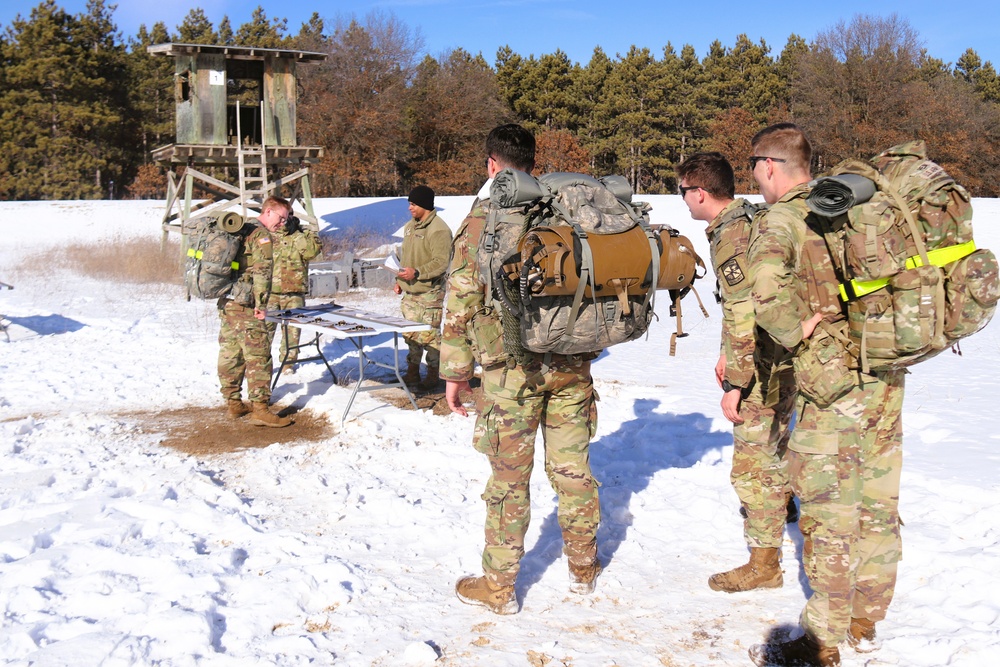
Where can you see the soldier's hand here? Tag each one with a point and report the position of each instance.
(731, 406)
(453, 395)
(720, 369)
(809, 326)
(408, 273)
(396, 288)
(259, 313)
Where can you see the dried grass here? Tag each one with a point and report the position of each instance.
(118, 259)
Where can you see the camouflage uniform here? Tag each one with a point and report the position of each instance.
(516, 401)
(290, 278)
(844, 459)
(245, 341)
(763, 369)
(426, 248)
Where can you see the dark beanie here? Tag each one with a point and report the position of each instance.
(423, 197)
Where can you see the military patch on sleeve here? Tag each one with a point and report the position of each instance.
(264, 240)
(732, 272)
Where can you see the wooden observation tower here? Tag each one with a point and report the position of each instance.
(235, 109)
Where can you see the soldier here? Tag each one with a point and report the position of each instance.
(244, 336)
(426, 251)
(294, 246)
(754, 373)
(516, 399)
(845, 453)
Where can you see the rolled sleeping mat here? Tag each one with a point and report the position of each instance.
(835, 195)
(512, 188)
(231, 222)
(621, 261)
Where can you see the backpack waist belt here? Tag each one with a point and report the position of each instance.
(855, 289)
(198, 254)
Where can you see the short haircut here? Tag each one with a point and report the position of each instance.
(786, 141)
(512, 146)
(274, 202)
(711, 172)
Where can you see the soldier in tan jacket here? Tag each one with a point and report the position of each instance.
(424, 264)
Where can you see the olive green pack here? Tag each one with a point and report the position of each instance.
(211, 267)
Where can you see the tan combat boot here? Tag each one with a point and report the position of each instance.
(583, 580)
(412, 375)
(236, 408)
(762, 571)
(861, 635)
(484, 593)
(261, 415)
(801, 652)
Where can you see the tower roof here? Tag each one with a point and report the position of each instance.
(234, 52)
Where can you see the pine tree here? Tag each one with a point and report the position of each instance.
(587, 92)
(62, 108)
(311, 35)
(151, 90)
(225, 35)
(632, 114)
(543, 100)
(982, 76)
(196, 29)
(259, 31)
(684, 115)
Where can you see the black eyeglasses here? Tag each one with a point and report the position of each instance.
(754, 159)
(684, 189)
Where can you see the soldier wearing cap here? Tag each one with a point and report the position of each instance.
(424, 263)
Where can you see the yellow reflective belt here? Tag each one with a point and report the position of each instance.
(939, 257)
(197, 254)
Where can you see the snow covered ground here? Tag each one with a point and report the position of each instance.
(116, 550)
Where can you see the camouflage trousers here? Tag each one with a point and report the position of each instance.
(759, 473)
(290, 336)
(844, 464)
(244, 351)
(424, 308)
(515, 403)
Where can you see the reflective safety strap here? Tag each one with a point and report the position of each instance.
(198, 254)
(856, 289)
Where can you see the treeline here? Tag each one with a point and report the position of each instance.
(81, 108)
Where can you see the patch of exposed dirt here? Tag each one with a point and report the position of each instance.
(201, 431)
(432, 400)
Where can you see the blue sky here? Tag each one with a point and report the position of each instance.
(577, 26)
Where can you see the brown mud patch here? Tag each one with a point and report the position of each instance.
(427, 400)
(201, 431)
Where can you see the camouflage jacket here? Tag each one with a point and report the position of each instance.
(256, 262)
(292, 252)
(465, 298)
(426, 248)
(790, 270)
(728, 235)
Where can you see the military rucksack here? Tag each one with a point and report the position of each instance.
(572, 264)
(913, 281)
(212, 267)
